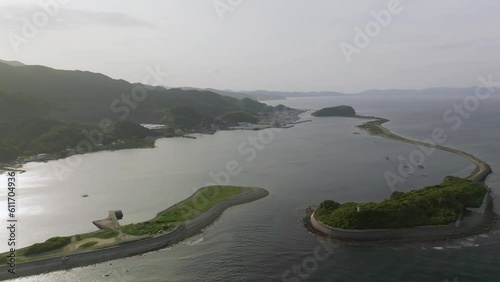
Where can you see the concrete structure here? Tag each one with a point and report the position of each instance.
(185, 230)
(111, 222)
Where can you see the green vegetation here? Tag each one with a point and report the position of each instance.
(87, 98)
(38, 136)
(282, 107)
(434, 205)
(47, 246)
(339, 111)
(102, 234)
(374, 127)
(203, 200)
(43, 110)
(254, 107)
(87, 245)
(232, 118)
(170, 219)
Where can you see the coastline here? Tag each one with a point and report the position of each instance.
(479, 222)
(479, 174)
(286, 118)
(474, 224)
(184, 231)
(4, 168)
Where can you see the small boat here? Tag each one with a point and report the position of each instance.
(85, 196)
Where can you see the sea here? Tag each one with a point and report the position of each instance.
(325, 158)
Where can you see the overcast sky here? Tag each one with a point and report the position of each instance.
(288, 45)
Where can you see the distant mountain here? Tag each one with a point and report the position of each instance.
(85, 97)
(12, 63)
(229, 93)
(44, 110)
(264, 95)
(426, 91)
(276, 95)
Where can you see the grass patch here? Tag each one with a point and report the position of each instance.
(434, 205)
(373, 127)
(87, 245)
(201, 201)
(102, 234)
(47, 246)
(105, 234)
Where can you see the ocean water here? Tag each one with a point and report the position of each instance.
(300, 166)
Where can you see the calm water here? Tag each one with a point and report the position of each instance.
(300, 166)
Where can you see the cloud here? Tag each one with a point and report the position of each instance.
(11, 16)
(82, 17)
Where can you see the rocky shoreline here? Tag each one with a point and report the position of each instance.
(478, 223)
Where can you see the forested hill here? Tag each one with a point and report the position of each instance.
(44, 110)
(85, 97)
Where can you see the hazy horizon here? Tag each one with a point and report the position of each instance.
(250, 45)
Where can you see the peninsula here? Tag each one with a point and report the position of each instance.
(74, 112)
(170, 226)
(454, 208)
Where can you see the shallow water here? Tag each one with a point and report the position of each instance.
(300, 166)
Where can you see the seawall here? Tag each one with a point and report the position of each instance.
(473, 224)
(185, 230)
(479, 221)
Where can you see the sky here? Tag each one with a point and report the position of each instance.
(278, 45)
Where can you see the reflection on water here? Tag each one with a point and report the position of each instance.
(260, 241)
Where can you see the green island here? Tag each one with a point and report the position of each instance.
(169, 221)
(441, 204)
(434, 205)
(338, 111)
